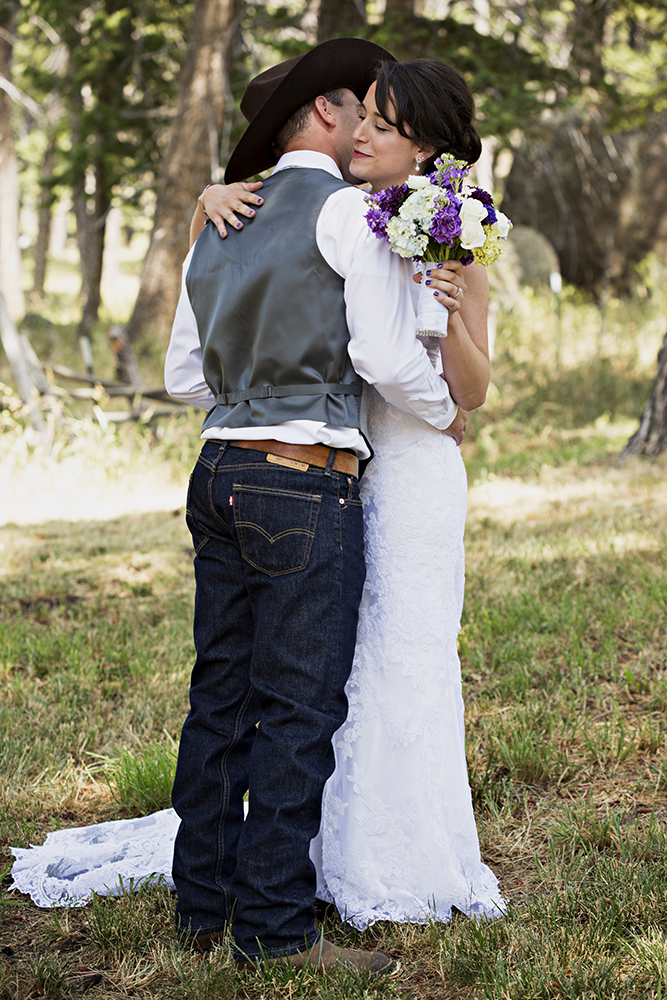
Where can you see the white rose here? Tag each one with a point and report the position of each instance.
(472, 230)
(415, 181)
(472, 235)
(472, 210)
(503, 223)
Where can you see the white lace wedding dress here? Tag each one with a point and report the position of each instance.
(398, 836)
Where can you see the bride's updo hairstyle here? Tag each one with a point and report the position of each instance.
(431, 103)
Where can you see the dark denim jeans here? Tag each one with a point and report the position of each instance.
(279, 569)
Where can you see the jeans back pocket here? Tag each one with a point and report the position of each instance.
(275, 528)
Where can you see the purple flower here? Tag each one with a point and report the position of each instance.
(390, 199)
(384, 206)
(466, 259)
(377, 222)
(446, 225)
(481, 195)
(491, 216)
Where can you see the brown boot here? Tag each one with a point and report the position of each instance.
(324, 956)
(203, 942)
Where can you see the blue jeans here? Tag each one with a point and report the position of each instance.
(279, 569)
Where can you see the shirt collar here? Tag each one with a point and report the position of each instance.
(308, 158)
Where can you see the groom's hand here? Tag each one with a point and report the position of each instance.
(457, 428)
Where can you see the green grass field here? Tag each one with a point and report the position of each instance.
(564, 656)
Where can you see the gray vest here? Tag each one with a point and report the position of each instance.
(271, 314)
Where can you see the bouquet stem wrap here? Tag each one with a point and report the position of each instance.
(432, 317)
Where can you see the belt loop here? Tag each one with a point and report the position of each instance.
(330, 461)
(223, 448)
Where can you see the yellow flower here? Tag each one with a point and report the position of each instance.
(492, 249)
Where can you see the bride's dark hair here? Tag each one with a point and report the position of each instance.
(431, 103)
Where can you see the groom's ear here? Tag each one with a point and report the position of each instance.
(322, 110)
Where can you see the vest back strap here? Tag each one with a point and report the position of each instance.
(278, 391)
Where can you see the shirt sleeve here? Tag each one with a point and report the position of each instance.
(183, 374)
(383, 347)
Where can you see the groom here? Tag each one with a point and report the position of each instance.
(275, 330)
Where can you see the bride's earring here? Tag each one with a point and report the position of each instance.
(418, 165)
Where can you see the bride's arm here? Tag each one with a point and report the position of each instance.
(220, 202)
(465, 349)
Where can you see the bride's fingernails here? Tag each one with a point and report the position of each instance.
(427, 273)
(436, 293)
(428, 282)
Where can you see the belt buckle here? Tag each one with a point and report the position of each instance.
(288, 463)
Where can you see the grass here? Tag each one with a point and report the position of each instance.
(564, 658)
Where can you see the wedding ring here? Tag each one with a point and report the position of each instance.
(459, 293)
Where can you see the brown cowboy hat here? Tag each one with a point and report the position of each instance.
(273, 96)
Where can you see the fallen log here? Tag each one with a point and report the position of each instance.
(110, 388)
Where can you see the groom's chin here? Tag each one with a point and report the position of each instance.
(350, 177)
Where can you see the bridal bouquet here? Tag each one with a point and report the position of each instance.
(435, 218)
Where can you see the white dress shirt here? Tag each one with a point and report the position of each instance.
(380, 316)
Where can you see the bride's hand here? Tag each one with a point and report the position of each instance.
(220, 202)
(448, 281)
(457, 428)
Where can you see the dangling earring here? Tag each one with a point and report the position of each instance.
(418, 164)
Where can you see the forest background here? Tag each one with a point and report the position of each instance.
(113, 117)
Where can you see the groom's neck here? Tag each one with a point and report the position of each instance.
(314, 144)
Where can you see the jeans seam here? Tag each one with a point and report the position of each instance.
(201, 545)
(209, 493)
(225, 786)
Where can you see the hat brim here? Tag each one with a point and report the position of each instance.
(339, 63)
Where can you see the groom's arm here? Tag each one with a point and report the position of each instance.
(380, 315)
(183, 374)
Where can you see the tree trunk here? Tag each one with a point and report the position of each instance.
(102, 203)
(45, 211)
(587, 28)
(186, 167)
(43, 223)
(340, 18)
(127, 369)
(10, 255)
(651, 436)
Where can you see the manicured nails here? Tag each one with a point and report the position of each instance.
(239, 225)
(436, 294)
(428, 282)
(427, 273)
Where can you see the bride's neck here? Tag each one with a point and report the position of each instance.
(389, 182)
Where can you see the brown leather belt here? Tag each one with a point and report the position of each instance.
(300, 456)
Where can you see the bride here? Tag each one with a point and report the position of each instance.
(398, 838)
